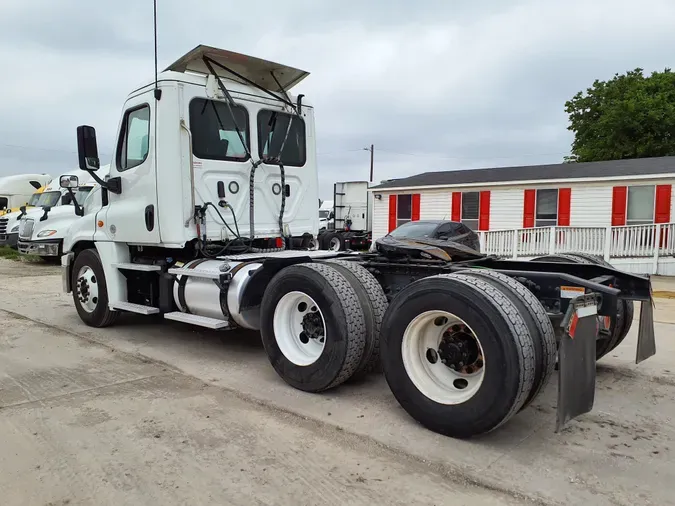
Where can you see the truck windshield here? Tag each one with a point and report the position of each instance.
(414, 229)
(4, 202)
(272, 128)
(324, 214)
(49, 199)
(32, 202)
(81, 194)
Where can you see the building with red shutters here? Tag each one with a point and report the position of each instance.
(619, 209)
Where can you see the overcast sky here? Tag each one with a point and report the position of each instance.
(434, 84)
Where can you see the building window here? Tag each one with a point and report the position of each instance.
(403, 209)
(470, 209)
(214, 130)
(547, 208)
(640, 208)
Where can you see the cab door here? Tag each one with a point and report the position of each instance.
(131, 216)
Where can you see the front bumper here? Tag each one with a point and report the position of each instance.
(10, 240)
(48, 248)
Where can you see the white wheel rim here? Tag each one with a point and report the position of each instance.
(299, 328)
(438, 381)
(334, 244)
(87, 289)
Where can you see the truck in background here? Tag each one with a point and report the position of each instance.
(16, 191)
(326, 214)
(9, 222)
(41, 231)
(349, 225)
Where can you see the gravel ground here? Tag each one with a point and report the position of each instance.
(151, 412)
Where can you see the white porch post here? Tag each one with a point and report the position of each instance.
(514, 245)
(655, 258)
(551, 240)
(608, 244)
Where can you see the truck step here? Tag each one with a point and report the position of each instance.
(198, 273)
(138, 267)
(202, 321)
(133, 308)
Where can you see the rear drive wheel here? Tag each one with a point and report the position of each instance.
(313, 326)
(538, 322)
(610, 327)
(457, 354)
(334, 242)
(90, 292)
(374, 304)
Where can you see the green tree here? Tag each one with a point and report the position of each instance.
(629, 116)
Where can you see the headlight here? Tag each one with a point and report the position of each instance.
(14, 229)
(46, 233)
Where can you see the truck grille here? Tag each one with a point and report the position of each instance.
(26, 228)
(3, 225)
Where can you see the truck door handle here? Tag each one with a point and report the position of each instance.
(150, 217)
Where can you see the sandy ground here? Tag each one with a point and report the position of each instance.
(152, 412)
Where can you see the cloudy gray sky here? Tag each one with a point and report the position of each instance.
(434, 84)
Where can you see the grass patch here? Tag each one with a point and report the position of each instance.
(663, 294)
(12, 254)
(9, 253)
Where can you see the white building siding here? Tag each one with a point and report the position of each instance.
(435, 205)
(380, 216)
(506, 209)
(591, 206)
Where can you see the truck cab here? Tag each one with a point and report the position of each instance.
(16, 191)
(41, 230)
(9, 222)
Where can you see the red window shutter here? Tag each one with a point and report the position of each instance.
(564, 205)
(529, 205)
(662, 207)
(619, 202)
(456, 206)
(484, 211)
(415, 216)
(392, 212)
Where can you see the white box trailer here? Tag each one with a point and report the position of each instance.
(350, 226)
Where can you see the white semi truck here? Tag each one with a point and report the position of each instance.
(16, 190)
(210, 217)
(350, 220)
(41, 230)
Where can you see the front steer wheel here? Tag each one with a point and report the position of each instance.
(313, 326)
(90, 292)
(457, 354)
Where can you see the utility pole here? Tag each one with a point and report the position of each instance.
(372, 152)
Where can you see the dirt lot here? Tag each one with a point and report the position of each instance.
(150, 412)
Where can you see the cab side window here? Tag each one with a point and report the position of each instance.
(133, 145)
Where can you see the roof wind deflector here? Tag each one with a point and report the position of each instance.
(263, 74)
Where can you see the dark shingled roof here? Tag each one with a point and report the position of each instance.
(612, 168)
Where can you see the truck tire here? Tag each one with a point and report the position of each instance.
(312, 326)
(374, 304)
(436, 323)
(538, 322)
(628, 306)
(334, 242)
(90, 292)
(603, 345)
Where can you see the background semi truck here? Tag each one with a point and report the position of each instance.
(209, 217)
(9, 222)
(41, 230)
(349, 225)
(16, 191)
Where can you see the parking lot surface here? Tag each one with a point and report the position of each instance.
(153, 412)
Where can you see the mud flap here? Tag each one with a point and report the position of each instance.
(646, 345)
(576, 359)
